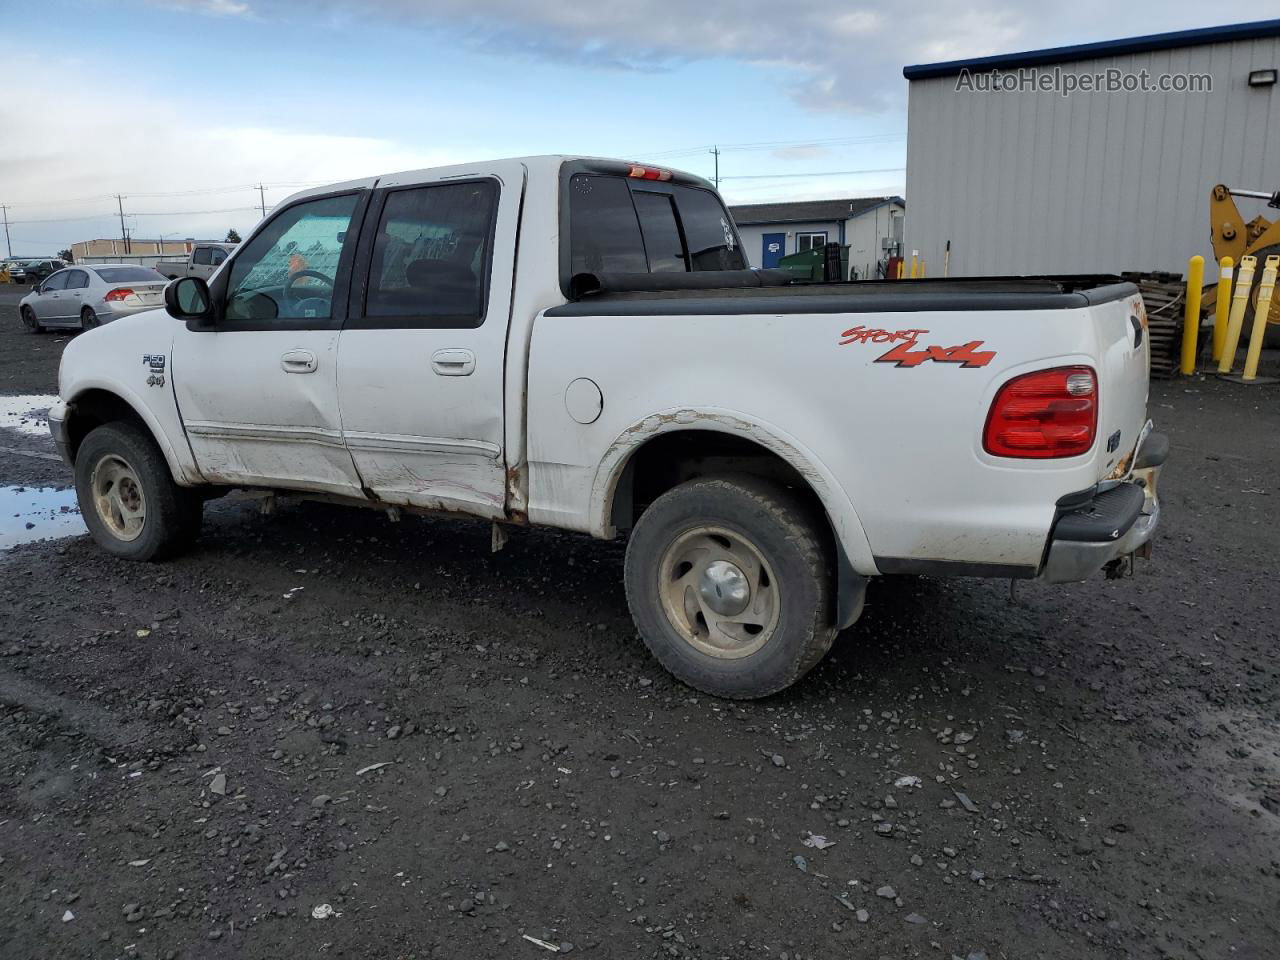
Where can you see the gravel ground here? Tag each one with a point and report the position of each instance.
(322, 733)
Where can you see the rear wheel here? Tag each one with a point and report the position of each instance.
(29, 321)
(128, 498)
(89, 319)
(729, 583)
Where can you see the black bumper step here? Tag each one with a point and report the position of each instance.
(1108, 516)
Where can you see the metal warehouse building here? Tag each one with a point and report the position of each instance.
(1027, 181)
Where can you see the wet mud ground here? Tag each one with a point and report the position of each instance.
(322, 733)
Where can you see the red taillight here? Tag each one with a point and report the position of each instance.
(119, 294)
(1050, 413)
(641, 172)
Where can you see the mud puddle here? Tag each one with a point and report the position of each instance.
(28, 514)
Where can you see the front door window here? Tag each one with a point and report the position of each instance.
(289, 269)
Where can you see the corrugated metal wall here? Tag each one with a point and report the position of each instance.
(1032, 182)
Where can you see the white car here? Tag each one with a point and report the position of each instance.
(579, 343)
(88, 295)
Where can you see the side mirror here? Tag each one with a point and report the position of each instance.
(188, 299)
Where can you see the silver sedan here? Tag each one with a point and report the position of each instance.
(90, 294)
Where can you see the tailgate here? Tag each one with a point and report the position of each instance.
(1124, 373)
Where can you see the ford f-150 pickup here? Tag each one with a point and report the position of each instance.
(580, 344)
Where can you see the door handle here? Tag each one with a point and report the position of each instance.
(453, 362)
(298, 361)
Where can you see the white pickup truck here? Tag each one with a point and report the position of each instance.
(203, 260)
(579, 344)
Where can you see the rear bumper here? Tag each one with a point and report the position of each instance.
(1113, 524)
(58, 430)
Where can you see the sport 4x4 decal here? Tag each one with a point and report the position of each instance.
(907, 352)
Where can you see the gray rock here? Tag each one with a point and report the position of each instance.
(914, 918)
(863, 916)
(218, 785)
(887, 893)
(319, 800)
(777, 760)
(393, 732)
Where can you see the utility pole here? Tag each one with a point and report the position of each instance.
(715, 152)
(124, 234)
(7, 242)
(262, 198)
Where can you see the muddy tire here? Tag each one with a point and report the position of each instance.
(729, 582)
(29, 321)
(128, 498)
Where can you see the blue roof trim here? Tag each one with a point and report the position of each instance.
(1107, 48)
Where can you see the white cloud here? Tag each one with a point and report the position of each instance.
(143, 143)
(836, 57)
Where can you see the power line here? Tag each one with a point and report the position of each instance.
(8, 242)
(826, 173)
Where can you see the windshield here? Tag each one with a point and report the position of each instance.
(129, 275)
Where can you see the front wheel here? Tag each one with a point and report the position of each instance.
(729, 583)
(29, 321)
(128, 498)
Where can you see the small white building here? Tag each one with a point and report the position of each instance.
(1096, 158)
(870, 226)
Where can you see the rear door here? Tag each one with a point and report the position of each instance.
(201, 263)
(420, 365)
(74, 295)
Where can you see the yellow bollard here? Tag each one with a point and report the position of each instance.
(1260, 318)
(1191, 319)
(915, 263)
(922, 269)
(901, 265)
(1239, 302)
(1222, 308)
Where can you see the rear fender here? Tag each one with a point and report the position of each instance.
(839, 509)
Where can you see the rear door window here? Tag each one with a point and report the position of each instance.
(431, 256)
(77, 279)
(202, 256)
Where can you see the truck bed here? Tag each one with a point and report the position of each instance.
(759, 292)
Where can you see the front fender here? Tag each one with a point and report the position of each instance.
(839, 508)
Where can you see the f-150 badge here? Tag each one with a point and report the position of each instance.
(155, 361)
(907, 351)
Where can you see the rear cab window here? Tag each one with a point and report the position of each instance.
(620, 224)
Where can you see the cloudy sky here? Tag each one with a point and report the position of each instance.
(183, 106)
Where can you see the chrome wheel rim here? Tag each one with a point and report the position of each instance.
(118, 497)
(718, 592)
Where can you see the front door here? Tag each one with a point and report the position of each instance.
(420, 367)
(258, 392)
(774, 248)
(50, 304)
